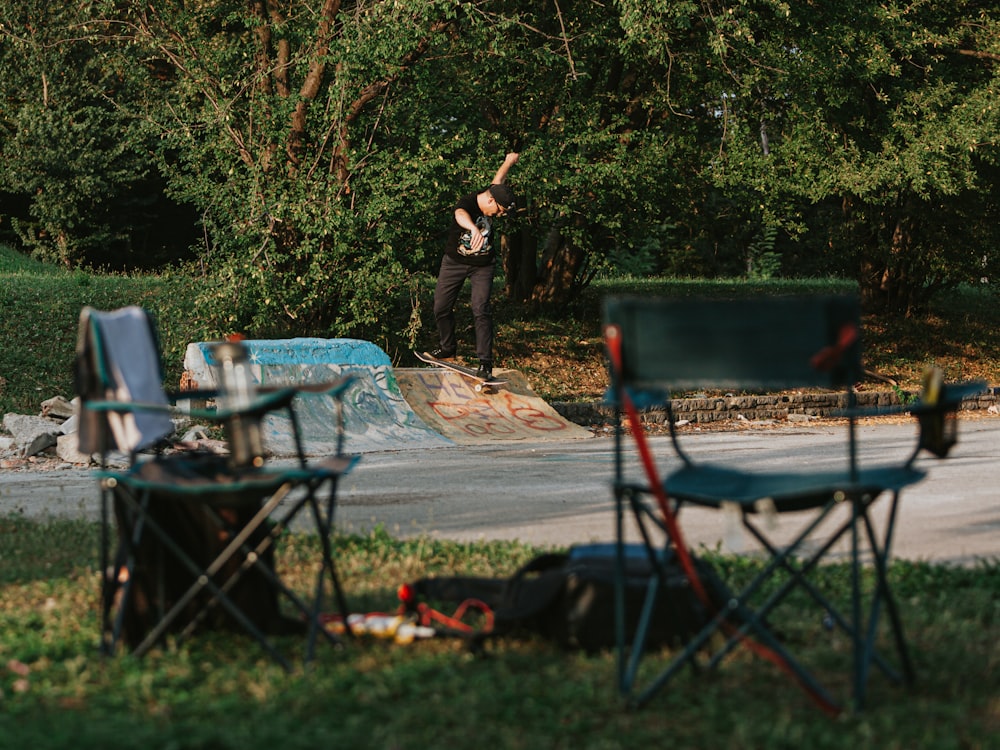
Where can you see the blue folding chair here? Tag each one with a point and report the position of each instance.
(657, 347)
(196, 532)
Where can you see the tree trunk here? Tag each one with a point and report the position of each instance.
(520, 263)
(561, 263)
(890, 285)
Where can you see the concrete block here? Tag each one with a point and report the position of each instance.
(26, 429)
(67, 449)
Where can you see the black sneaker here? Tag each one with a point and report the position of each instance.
(485, 371)
(443, 354)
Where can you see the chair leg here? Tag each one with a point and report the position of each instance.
(880, 556)
(630, 655)
(865, 647)
(107, 577)
(203, 580)
(859, 668)
(324, 527)
(751, 626)
(118, 583)
(621, 672)
(252, 558)
(862, 629)
(751, 622)
(144, 523)
(642, 629)
(883, 593)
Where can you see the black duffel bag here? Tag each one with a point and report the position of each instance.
(570, 598)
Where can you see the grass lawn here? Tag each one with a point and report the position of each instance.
(218, 691)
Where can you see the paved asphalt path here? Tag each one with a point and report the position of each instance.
(558, 493)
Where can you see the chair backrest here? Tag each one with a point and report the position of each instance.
(118, 359)
(753, 344)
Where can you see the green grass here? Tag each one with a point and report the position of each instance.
(217, 691)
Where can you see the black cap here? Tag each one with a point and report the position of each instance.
(504, 196)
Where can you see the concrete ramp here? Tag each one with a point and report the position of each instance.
(447, 402)
(376, 416)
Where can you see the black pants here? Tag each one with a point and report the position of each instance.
(451, 277)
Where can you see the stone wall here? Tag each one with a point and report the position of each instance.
(758, 407)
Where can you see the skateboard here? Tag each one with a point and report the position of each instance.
(480, 383)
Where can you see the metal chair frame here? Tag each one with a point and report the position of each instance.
(274, 495)
(658, 346)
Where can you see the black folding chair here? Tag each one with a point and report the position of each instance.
(196, 532)
(659, 346)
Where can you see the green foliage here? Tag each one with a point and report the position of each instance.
(72, 216)
(559, 351)
(39, 309)
(218, 691)
(262, 127)
(65, 144)
(645, 258)
(14, 265)
(890, 114)
(323, 147)
(763, 262)
(29, 555)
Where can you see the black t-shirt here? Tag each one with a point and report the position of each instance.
(457, 245)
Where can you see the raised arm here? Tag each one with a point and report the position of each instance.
(501, 176)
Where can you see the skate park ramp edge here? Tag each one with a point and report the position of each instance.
(376, 416)
(449, 403)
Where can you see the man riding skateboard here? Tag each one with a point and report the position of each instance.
(470, 253)
(481, 384)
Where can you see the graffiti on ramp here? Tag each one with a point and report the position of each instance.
(376, 416)
(449, 404)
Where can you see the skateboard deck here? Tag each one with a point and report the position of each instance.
(480, 383)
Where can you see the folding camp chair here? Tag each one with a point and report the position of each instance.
(196, 531)
(658, 346)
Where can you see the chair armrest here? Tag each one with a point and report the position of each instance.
(269, 398)
(949, 399)
(260, 405)
(272, 398)
(128, 406)
(936, 409)
(641, 399)
(860, 412)
(335, 388)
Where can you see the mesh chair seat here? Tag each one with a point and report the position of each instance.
(710, 485)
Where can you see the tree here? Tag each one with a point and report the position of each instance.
(888, 110)
(307, 140)
(65, 146)
(322, 142)
(601, 169)
(255, 108)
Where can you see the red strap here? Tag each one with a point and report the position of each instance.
(429, 616)
(612, 335)
(827, 358)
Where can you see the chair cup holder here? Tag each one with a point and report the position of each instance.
(938, 430)
(246, 441)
